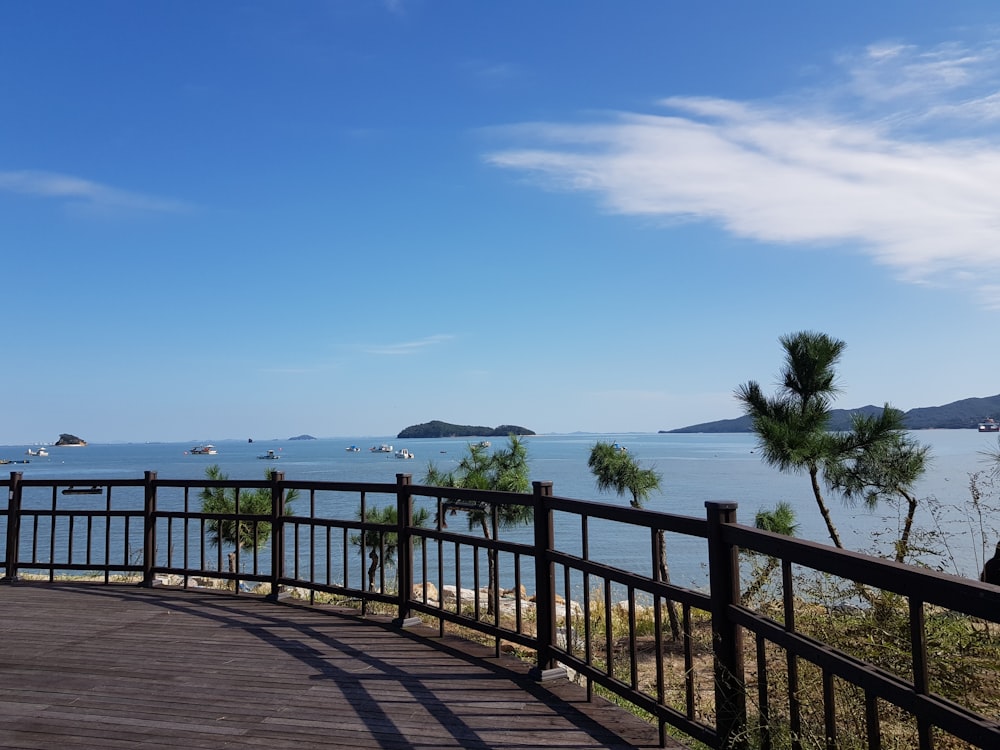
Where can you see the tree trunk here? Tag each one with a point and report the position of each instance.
(372, 569)
(491, 562)
(823, 510)
(903, 545)
(664, 575)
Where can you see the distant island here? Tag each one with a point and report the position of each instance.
(438, 429)
(302, 437)
(67, 440)
(958, 415)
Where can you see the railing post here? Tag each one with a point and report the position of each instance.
(545, 586)
(727, 638)
(404, 549)
(277, 533)
(149, 529)
(13, 527)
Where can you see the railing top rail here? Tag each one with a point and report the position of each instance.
(627, 514)
(79, 481)
(458, 493)
(924, 584)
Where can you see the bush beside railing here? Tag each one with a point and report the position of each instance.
(584, 615)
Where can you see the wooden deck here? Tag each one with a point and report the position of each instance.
(93, 666)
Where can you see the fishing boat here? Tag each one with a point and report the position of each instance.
(41, 452)
(989, 425)
(403, 453)
(203, 450)
(352, 449)
(384, 448)
(270, 455)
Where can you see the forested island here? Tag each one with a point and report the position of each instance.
(65, 439)
(438, 429)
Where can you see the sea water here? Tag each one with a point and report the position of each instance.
(695, 469)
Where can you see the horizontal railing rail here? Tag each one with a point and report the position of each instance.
(703, 660)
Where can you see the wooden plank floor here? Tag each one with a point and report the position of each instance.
(92, 666)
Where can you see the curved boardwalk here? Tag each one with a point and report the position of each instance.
(98, 666)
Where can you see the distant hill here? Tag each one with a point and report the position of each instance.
(438, 429)
(958, 415)
(302, 437)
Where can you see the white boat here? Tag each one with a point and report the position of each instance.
(384, 448)
(352, 449)
(403, 453)
(270, 455)
(484, 443)
(989, 425)
(204, 450)
(41, 452)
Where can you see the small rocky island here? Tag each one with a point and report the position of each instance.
(67, 440)
(438, 429)
(302, 437)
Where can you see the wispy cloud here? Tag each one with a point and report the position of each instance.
(898, 162)
(81, 193)
(408, 347)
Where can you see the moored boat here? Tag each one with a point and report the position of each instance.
(403, 453)
(384, 448)
(270, 455)
(204, 450)
(989, 425)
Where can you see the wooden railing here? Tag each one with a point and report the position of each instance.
(734, 675)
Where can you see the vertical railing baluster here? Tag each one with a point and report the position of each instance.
(921, 678)
(568, 598)
(829, 711)
(493, 568)
(277, 533)
(609, 631)
(872, 724)
(404, 547)
(13, 527)
(791, 659)
(633, 656)
(727, 638)
(545, 593)
(763, 699)
(149, 528)
(440, 563)
(52, 536)
(587, 634)
(312, 548)
(476, 582)
(689, 671)
(107, 537)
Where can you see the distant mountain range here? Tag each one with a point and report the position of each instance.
(958, 415)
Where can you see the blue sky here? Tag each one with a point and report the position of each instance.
(341, 218)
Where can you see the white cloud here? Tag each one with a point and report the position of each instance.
(408, 347)
(898, 71)
(926, 205)
(87, 194)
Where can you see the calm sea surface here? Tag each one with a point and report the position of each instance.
(695, 469)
